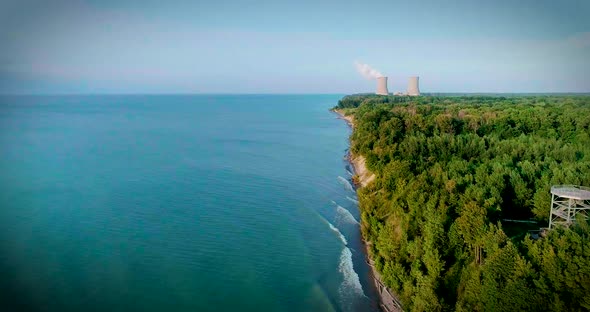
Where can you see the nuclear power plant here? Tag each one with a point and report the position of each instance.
(370, 73)
(382, 86)
(412, 90)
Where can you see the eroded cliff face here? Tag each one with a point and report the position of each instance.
(362, 177)
(362, 174)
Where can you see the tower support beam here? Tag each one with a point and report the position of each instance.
(568, 204)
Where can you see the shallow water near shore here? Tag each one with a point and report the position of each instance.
(185, 203)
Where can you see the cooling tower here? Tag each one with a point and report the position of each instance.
(413, 88)
(382, 86)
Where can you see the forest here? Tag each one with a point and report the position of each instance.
(452, 172)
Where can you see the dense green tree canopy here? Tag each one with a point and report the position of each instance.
(450, 172)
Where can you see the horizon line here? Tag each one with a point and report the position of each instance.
(280, 93)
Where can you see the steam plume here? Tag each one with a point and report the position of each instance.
(367, 71)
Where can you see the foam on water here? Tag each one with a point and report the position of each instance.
(351, 285)
(337, 231)
(345, 215)
(238, 176)
(350, 173)
(346, 183)
(352, 200)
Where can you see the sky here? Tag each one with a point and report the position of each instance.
(260, 46)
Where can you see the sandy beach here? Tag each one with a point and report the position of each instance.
(388, 301)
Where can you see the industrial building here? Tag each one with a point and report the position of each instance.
(412, 90)
(382, 86)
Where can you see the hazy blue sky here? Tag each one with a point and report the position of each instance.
(299, 46)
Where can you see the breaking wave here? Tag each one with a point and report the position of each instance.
(351, 284)
(335, 229)
(345, 215)
(346, 184)
(350, 289)
(352, 200)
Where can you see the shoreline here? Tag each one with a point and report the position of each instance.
(362, 177)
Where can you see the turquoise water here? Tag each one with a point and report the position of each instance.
(178, 203)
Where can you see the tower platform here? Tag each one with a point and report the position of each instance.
(568, 204)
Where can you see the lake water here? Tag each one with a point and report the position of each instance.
(178, 203)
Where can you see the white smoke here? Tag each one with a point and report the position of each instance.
(367, 71)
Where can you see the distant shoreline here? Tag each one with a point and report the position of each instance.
(362, 177)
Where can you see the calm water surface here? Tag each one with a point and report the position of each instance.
(178, 203)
